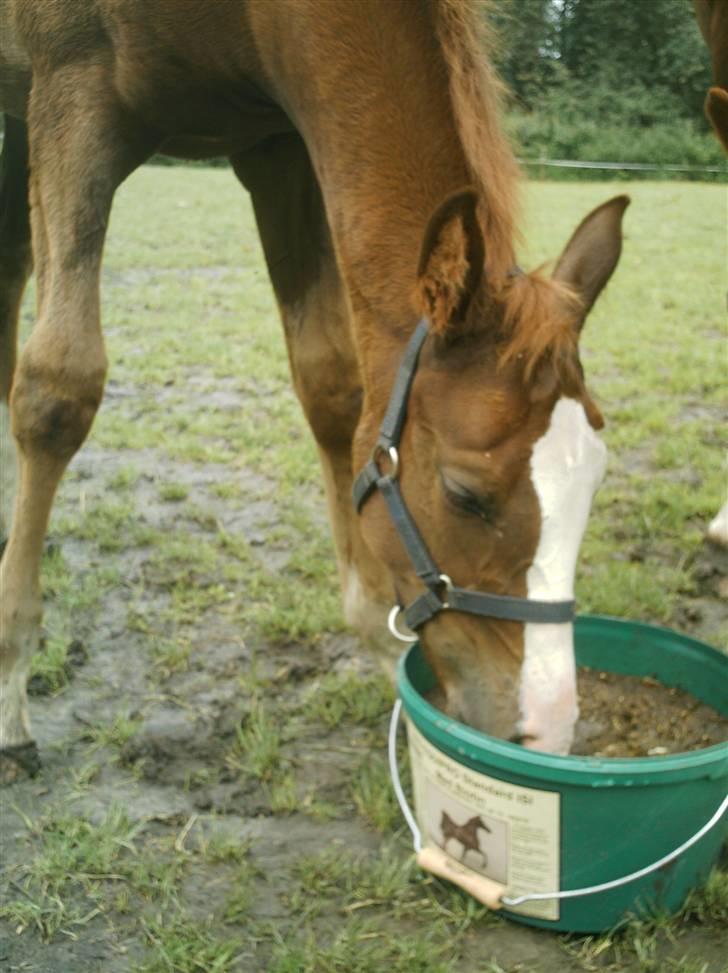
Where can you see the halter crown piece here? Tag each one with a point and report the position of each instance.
(430, 603)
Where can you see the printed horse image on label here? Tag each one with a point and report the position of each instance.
(509, 833)
(466, 834)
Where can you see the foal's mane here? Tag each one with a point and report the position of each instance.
(539, 313)
(476, 93)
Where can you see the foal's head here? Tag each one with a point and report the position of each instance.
(500, 459)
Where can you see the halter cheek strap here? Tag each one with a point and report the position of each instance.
(431, 602)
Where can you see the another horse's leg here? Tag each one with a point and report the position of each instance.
(15, 265)
(302, 265)
(80, 150)
(718, 527)
(713, 21)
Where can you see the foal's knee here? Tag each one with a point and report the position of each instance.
(329, 390)
(52, 413)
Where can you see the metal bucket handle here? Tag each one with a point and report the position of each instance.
(490, 893)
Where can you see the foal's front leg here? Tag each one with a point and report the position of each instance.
(78, 157)
(314, 309)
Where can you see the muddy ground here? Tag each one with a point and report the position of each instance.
(236, 775)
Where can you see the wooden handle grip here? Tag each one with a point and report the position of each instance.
(483, 889)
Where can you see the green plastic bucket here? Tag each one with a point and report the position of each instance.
(552, 824)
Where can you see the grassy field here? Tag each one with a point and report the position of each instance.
(214, 795)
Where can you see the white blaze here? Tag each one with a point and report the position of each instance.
(567, 465)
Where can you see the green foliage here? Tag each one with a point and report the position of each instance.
(573, 134)
(655, 46)
(527, 47)
(613, 45)
(606, 80)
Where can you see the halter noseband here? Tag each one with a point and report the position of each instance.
(430, 603)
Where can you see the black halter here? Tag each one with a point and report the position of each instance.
(430, 603)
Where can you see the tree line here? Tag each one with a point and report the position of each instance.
(624, 79)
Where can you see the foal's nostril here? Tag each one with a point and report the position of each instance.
(522, 739)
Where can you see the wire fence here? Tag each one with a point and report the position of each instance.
(622, 166)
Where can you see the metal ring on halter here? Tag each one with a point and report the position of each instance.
(392, 626)
(447, 581)
(393, 455)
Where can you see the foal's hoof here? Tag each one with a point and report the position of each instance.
(19, 762)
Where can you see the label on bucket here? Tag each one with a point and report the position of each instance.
(504, 831)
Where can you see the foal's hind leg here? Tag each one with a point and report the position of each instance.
(78, 157)
(15, 265)
(302, 265)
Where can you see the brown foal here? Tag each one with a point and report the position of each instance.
(367, 134)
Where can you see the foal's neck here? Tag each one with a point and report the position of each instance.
(384, 143)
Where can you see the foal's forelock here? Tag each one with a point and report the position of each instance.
(540, 322)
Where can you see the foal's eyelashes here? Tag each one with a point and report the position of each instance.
(467, 501)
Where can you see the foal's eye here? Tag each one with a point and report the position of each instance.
(468, 502)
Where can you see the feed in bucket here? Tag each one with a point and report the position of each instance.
(570, 842)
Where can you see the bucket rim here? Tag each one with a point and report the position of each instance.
(492, 753)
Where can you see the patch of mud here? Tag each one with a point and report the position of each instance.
(710, 571)
(91, 954)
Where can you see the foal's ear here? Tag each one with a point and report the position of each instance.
(591, 254)
(451, 262)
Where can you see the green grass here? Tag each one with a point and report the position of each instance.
(257, 747)
(71, 870)
(373, 796)
(111, 524)
(351, 697)
(115, 733)
(361, 947)
(174, 492)
(183, 946)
